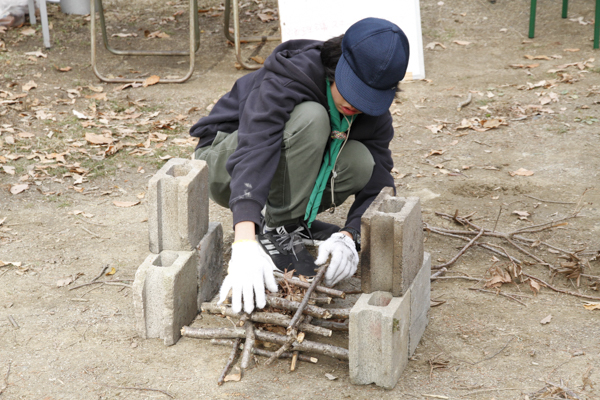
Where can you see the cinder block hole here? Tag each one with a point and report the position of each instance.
(380, 299)
(179, 170)
(165, 259)
(392, 206)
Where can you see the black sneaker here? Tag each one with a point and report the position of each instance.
(285, 246)
(320, 231)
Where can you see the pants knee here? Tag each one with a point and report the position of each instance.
(355, 164)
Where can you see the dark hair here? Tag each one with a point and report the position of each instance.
(331, 51)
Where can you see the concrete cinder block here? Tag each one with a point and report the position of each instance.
(165, 292)
(379, 329)
(178, 205)
(392, 243)
(420, 294)
(210, 263)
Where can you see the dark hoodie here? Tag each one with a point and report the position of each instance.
(258, 107)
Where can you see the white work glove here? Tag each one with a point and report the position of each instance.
(250, 270)
(344, 258)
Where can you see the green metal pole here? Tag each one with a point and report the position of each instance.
(532, 18)
(565, 7)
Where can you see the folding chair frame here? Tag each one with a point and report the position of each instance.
(194, 45)
(236, 31)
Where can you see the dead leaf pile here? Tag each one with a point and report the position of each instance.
(499, 276)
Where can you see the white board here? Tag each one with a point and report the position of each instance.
(324, 19)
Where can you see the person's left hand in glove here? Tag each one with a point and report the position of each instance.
(344, 258)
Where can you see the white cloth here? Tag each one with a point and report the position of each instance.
(344, 258)
(250, 270)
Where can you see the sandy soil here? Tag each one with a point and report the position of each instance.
(65, 226)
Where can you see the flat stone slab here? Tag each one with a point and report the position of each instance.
(178, 205)
(392, 243)
(379, 335)
(165, 294)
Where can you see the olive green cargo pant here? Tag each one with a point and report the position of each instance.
(304, 140)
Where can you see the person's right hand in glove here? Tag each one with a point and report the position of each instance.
(250, 270)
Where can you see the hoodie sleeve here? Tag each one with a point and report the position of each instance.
(260, 134)
(378, 146)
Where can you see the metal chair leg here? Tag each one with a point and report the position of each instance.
(597, 25)
(532, 19)
(236, 31)
(194, 45)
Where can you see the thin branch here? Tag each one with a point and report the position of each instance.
(100, 274)
(141, 388)
(583, 296)
(495, 354)
(549, 201)
(508, 296)
(6, 378)
(460, 253)
(232, 356)
(116, 282)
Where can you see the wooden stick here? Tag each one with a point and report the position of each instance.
(117, 282)
(13, 322)
(142, 388)
(340, 313)
(333, 325)
(549, 201)
(314, 311)
(248, 345)
(266, 353)
(317, 279)
(500, 293)
(441, 272)
(307, 345)
(213, 333)
(460, 253)
(294, 360)
(320, 289)
(468, 278)
(100, 274)
(232, 356)
(265, 318)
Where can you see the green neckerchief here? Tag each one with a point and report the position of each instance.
(339, 126)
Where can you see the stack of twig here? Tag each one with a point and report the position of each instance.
(299, 318)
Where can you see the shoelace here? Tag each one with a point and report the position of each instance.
(288, 240)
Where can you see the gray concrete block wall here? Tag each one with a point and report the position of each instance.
(420, 300)
(392, 243)
(178, 205)
(165, 294)
(209, 255)
(379, 335)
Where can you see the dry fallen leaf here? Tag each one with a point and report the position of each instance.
(37, 53)
(591, 306)
(65, 281)
(522, 214)
(111, 272)
(126, 203)
(546, 320)
(258, 59)
(8, 169)
(571, 50)
(234, 377)
(16, 189)
(521, 172)
(535, 287)
(462, 42)
(432, 45)
(28, 86)
(151, 80)
(97, 96)
(97, 139)
(529, 57)
(62, 69)
(28, 32)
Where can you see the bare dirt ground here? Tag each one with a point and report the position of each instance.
(69, 205)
